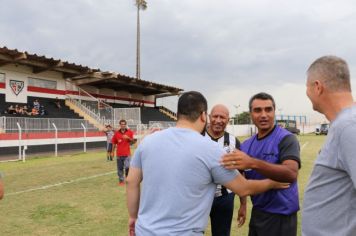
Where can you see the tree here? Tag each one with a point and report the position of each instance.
(243, 118)
(141, 5)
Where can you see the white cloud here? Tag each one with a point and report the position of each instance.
(226, 49)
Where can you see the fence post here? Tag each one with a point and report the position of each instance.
(20, 138)
(55, 140)
(85, 137)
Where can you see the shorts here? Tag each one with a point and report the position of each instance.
(266, 224)
(109, 147)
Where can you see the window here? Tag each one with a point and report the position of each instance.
(2, 78)
(42, 83)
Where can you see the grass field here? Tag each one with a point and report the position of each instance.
(78, 194)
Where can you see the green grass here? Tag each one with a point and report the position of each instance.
(95, 206)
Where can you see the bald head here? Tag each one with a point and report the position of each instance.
(220, 108)
(219, 118)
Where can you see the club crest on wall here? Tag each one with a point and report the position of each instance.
(16, 86)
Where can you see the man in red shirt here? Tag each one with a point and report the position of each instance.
(121, 141)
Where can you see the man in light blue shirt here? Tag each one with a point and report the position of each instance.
(174, 174)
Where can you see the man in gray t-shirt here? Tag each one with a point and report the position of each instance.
(329, 206)
(109, 132)
(174, 174)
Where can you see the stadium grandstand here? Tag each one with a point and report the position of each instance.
(49, 105)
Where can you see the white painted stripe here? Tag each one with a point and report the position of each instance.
(61, 183)
(304, 145)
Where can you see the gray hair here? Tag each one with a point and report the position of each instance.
(333, 71)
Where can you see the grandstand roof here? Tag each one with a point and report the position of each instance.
(122, 82)
(83, 75)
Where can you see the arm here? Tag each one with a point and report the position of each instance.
(114, 142)
(133, 196)
(241, 215)
(285, 172)
(128, 137)
(243, 187)
(1, 189)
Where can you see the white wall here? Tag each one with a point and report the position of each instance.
(21, 73)
(246, 130)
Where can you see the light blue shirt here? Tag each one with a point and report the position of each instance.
(180, 172)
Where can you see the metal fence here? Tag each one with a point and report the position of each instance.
(131, 115)
(34, 128)
(9, 124)
(161, 124)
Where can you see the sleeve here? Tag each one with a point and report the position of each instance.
(289, 149)
(136, 160)
(131, 134)
(347, 150)
(219, 174)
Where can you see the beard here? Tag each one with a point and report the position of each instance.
(204, 129)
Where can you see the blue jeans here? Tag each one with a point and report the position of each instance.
(123, 164)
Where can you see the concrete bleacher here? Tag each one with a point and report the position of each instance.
(147, 113)
(52, 110)
(153, 114)
(49, 105)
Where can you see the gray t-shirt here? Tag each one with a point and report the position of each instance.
(109, 135)
(180, 172)
(330, 199)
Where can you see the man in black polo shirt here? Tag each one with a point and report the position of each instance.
(223, 205)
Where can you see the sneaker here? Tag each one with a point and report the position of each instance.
(121, 183)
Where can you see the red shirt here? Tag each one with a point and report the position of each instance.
(123, 145)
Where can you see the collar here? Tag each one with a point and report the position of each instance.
(269, 133)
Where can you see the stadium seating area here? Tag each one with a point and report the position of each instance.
(153, 114)
(51, 109)
(147, 113)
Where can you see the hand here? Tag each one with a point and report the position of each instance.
(132, 222)
(241, 217)
(126, 137)
(279, 185)
(237, 160)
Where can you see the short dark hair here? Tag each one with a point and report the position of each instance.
(122, 121)
(261, 96)
(334, 71)
(191, 105)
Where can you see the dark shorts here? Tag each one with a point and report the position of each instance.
(263, 223)
(109, 147)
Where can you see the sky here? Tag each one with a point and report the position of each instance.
(228, 50)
